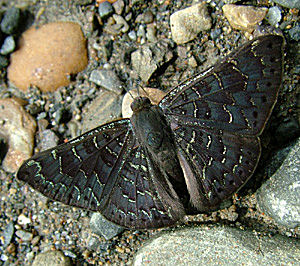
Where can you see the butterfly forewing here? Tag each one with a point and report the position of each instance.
(105, 170)
(236, 95)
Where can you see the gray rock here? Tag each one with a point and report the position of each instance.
(105, 9)
(274, 15)
(106, 107)
(3, 62)
(24, 235)
(100, 226)
(288, 3)
(279, 197)
(11, 20)
(119, 6)
(295, 32)
(188, 22)
(48, 140)
(146, 17)
(53, 258)
(121, 24)
(8, 234)
(107, 79)
(146, 60)
(8, 45)
(218, 246)
(132, 35)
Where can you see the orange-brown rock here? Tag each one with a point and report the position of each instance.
(47, 55)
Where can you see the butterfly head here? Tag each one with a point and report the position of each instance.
(140, 103)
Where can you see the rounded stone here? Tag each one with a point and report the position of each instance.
(47, 56)
(155, 96)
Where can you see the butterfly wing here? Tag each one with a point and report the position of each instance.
(104, 170)
(218, 115)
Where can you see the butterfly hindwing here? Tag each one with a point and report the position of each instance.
(216, 164)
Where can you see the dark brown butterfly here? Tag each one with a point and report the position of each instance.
(193, 150)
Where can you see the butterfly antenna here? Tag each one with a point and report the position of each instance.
(140, 87)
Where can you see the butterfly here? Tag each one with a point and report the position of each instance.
(192, 151)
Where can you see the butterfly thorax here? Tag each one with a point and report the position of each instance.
(154, 134)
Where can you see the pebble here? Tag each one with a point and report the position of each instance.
(107, 79)
(18, 127)
(151, 33)
(23, 220)
(288, 3)
(147, 59)
(274, 15)
(8, 234)
(279, 197)
(53, 258)
(121, 23)
(104, 108)
(188, 22)
(155, 96)
(119, 6)
(24, 235)
(3, 62)
(146, 17)
(100, 226)
(48, 139)
(295, 32)
(11, 21)
(105, 9)
(47, 56)
(244, 18)
(8, 45)
(217, 246)
(132, 35)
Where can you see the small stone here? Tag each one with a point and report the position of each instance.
(53, 257)
(119, 6)
(244, 18)
(279, 197)
(274, 15)
(132, 35)
(48, 140)
(105, 9)
(23, 220)
(155, 96)
(8, 234)
(146, 17)
(47, 56)
(8, 45)
(295, 32)
(3, 62)
(18, 127)
(288, 3)
(99, 225)
(107, 79)
(151, 33)
(121, 23)
(104, 108)
(24, 235)
(11, 21)
(147, 59)
(192, 62)
(188, 22)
